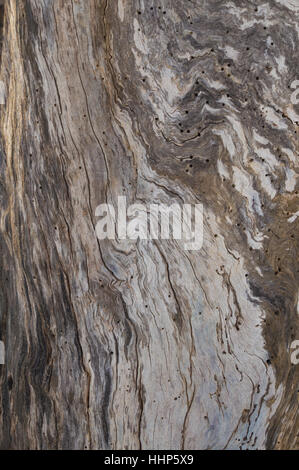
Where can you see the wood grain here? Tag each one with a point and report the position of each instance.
(121, 345)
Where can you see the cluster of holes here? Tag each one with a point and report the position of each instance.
(152, 8)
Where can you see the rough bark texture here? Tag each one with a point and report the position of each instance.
(121, 345)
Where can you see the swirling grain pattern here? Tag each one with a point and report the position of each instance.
(118, 345)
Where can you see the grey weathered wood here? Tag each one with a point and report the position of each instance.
(120, 345)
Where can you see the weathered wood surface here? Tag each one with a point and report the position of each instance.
(114, 344)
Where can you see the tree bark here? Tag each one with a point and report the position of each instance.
(114, 344)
